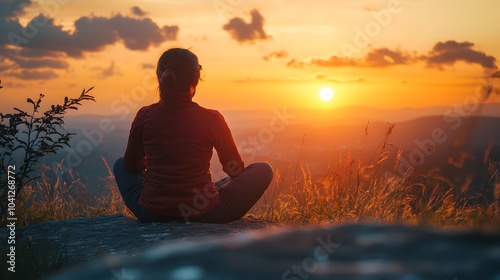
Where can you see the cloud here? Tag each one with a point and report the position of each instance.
(385, 57)
(332, 61)
(12, 8)
(4, 65)
(42, 63)
(451, 52)
(37, 53)
(9, 84)
(324, 77)
(443, 53)
(49, 45)
(451, 45)
(276, 54)
(110, 71)
(247, 32)
(32, 74)
(137, 11)
(92, 34)
(170, 32)
(148, 66)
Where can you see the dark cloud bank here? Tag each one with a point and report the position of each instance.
(34, 51)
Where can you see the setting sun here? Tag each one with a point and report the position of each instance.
(326, 94)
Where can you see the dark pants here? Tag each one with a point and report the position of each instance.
(237, 194)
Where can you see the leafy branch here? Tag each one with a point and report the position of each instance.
(30, 135)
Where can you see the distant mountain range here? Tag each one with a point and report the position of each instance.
(320, 117)
(314, 137)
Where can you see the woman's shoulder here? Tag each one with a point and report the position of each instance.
(149, 108)
(205, 113)
(211, 113)
(145, 112)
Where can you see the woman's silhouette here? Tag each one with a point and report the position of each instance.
(165, 172)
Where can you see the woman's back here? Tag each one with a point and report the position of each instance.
(165, 172)
(178, 146)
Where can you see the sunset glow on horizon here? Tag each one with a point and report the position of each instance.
(255, 54)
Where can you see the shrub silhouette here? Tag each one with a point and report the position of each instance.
(25, 137)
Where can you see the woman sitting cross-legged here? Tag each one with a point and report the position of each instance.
(165, 172)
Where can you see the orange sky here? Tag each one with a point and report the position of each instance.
(255, 54)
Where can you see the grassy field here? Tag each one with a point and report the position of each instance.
(355, 187)
(66, 197)
(351, 190)
(357, 190)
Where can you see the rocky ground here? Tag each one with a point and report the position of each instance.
(84, 239)
(252, 249)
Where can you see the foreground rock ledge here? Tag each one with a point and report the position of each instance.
(84, 239)
(336, 252)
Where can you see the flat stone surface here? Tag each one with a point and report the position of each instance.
(357, 251)
(84, 239)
